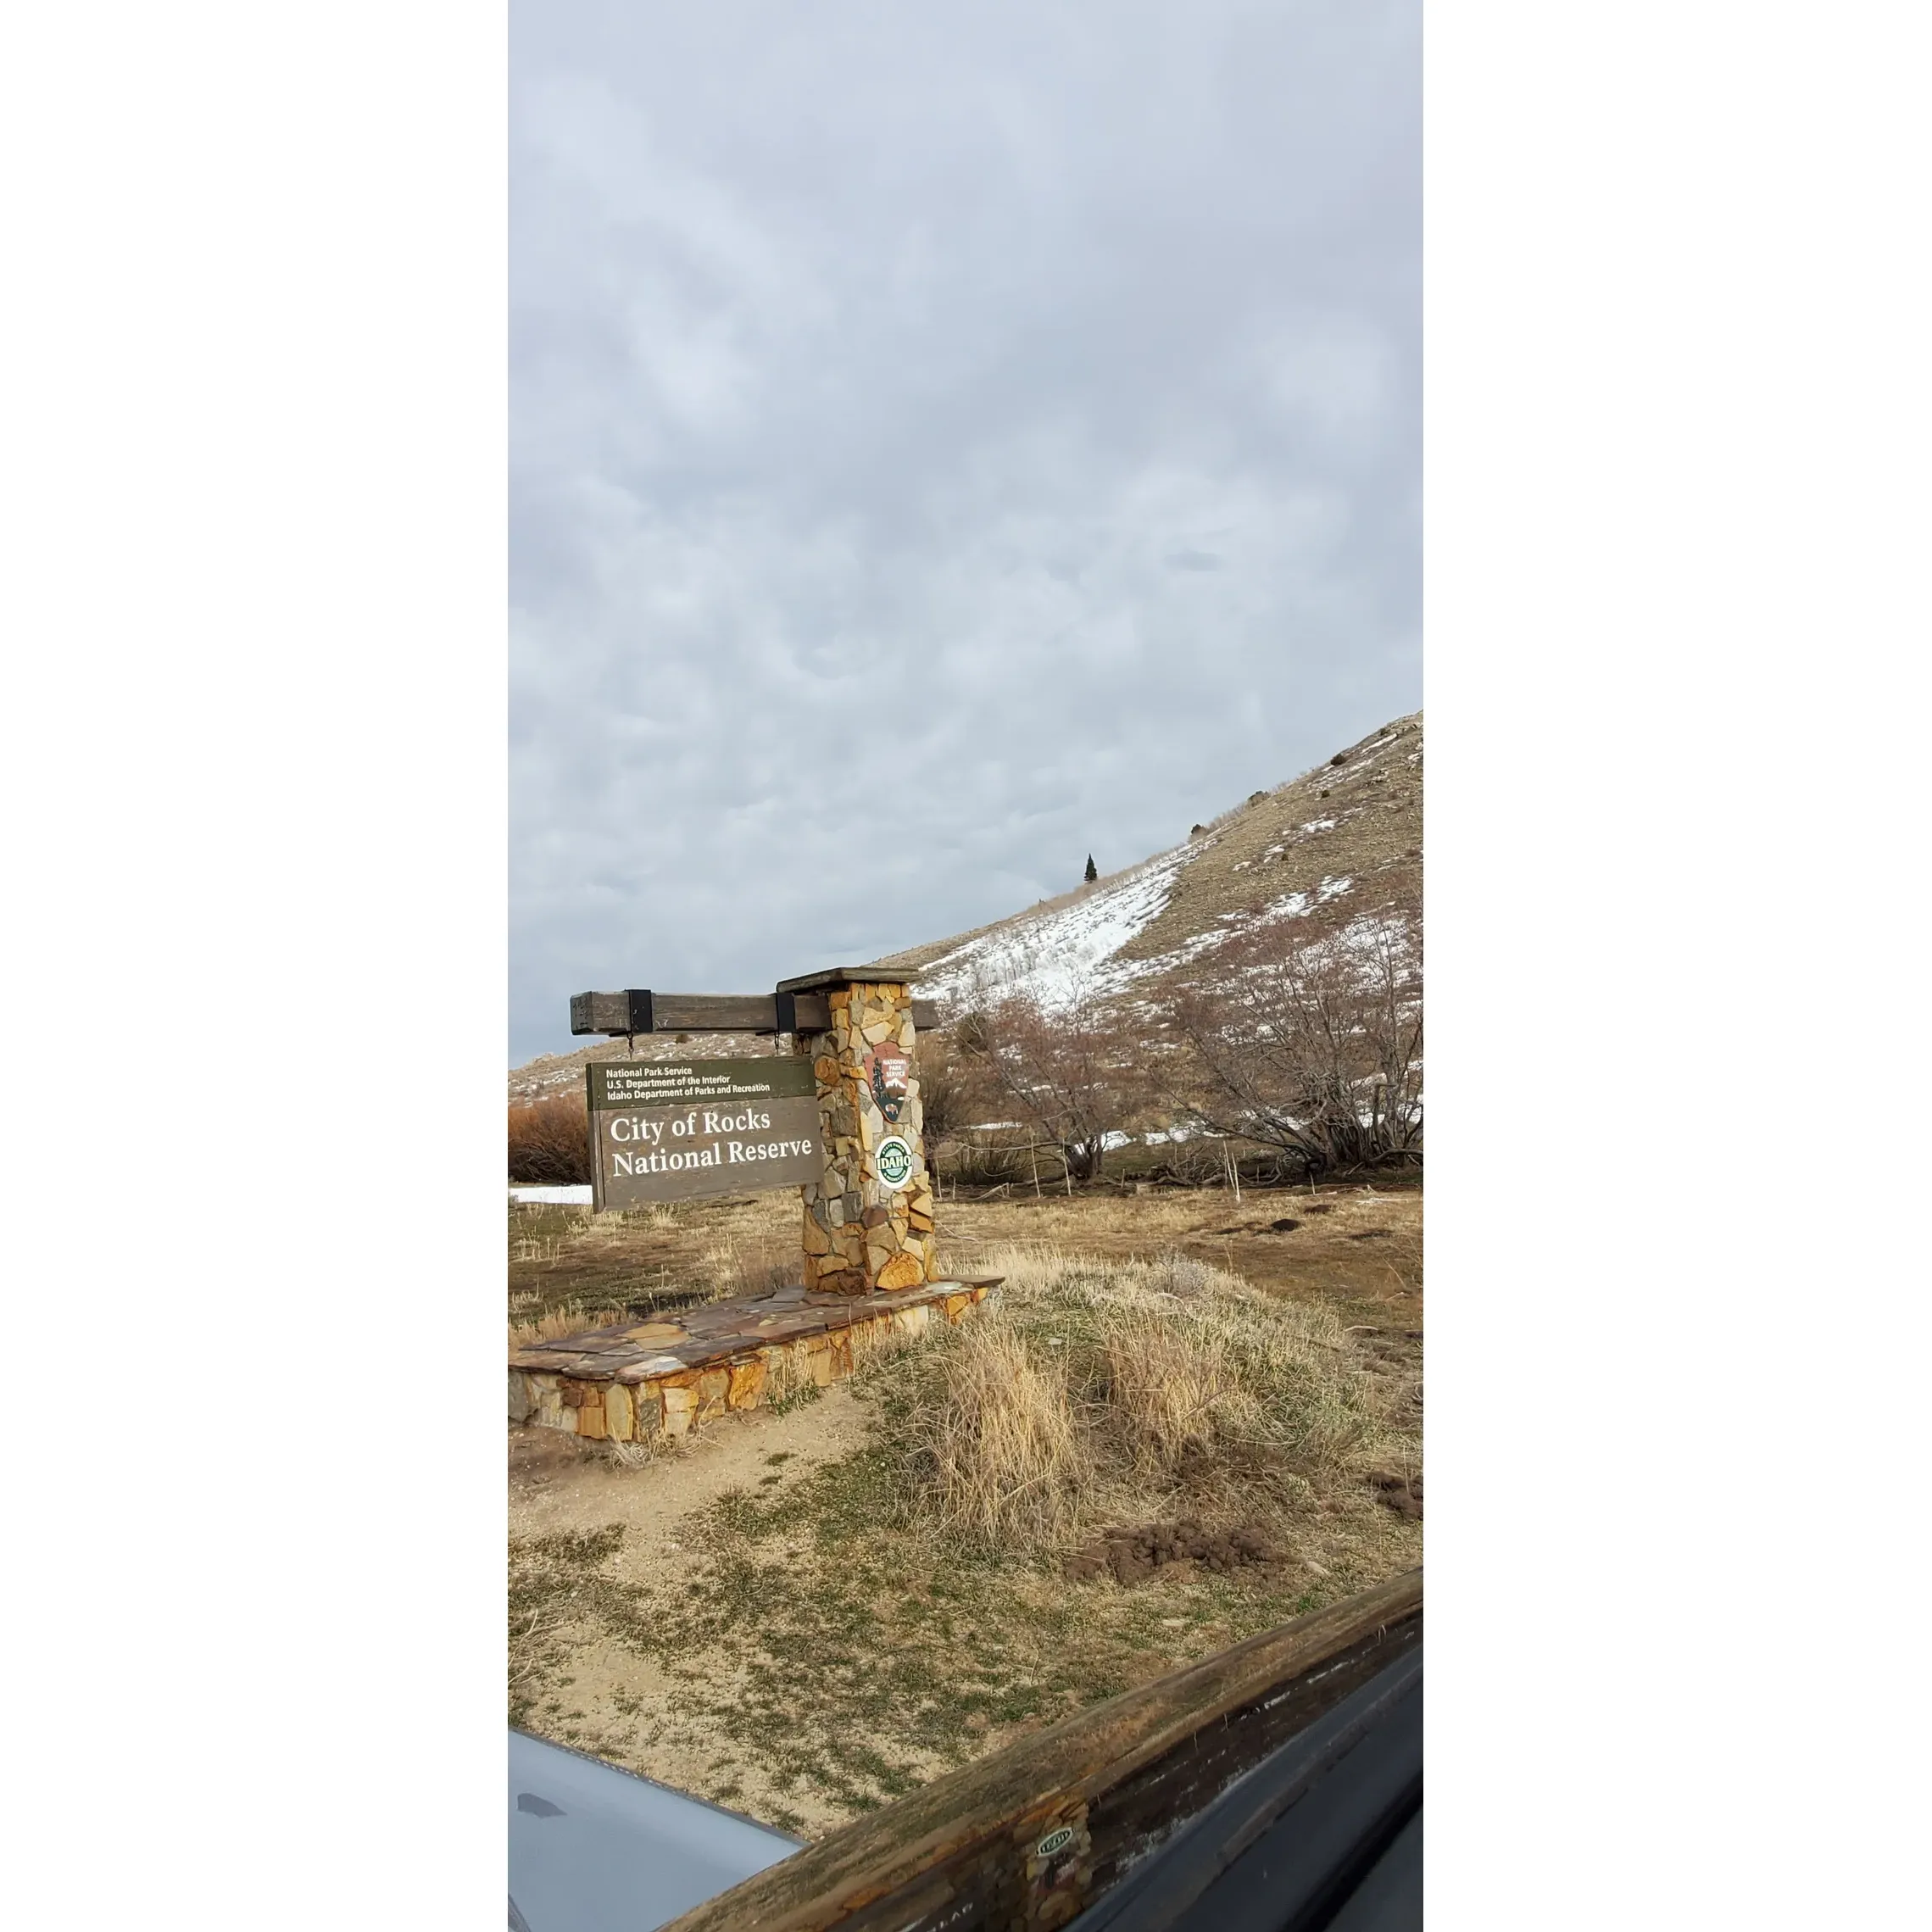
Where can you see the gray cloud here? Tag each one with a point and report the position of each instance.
(943, 443)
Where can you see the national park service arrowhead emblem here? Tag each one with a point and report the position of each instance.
(888, 1072)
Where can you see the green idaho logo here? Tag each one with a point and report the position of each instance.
(895, 1162)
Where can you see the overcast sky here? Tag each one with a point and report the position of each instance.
(944, 441)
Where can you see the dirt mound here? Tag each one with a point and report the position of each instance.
(1133, 1556)
(1402, 1494)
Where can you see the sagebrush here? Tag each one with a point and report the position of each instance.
(549, 1142)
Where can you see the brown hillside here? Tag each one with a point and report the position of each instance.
(1346, 837)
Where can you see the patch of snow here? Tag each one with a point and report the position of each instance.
(1333, 888)
(555, 1197)
(1290, 906)
(1115, 1138)
(1320, 825)
(1060, 955)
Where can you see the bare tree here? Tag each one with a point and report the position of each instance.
(944, 1098)
(1310, 1046)
(1061, 1070)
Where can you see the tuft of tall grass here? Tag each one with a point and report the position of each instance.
(1169, 1385)
(731, 1266)
(1007, 1460)
(565, 1318)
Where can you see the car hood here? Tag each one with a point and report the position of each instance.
(591, 1846)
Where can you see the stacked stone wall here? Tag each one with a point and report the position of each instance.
(862, 1234)
(660, 1407)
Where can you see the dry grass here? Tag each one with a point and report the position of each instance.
(733, 1265)
(678, 1251)
(971, 1232)
(822, 1633)
(1352, 1244)
(1008, 1458)
(1357, 1244)
(561, 1318)
(587, 1249)
(1104, 1392)
(1165, 1381)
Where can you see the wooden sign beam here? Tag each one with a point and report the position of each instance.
(640, 1011)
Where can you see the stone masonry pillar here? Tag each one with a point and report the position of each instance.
(868, 1223)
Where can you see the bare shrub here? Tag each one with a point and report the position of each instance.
(1310, 1047)
(945, 1099)
(549, 1142)
(989, 1157)
(1197, 1162)
(1067, 1072)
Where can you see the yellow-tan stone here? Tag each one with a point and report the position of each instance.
(902, 1271)
(619, 1412)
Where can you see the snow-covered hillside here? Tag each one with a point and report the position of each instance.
(1056, 953)
(1339, 848)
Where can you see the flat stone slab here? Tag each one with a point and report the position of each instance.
(633, 1381)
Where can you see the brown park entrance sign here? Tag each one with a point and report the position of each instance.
(675, 1130)
(839, 1116)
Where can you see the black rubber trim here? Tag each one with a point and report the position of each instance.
(1390, 1898)
(1286, 1847)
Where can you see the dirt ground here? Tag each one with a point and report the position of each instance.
(744, 1618)
(626, 1701)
